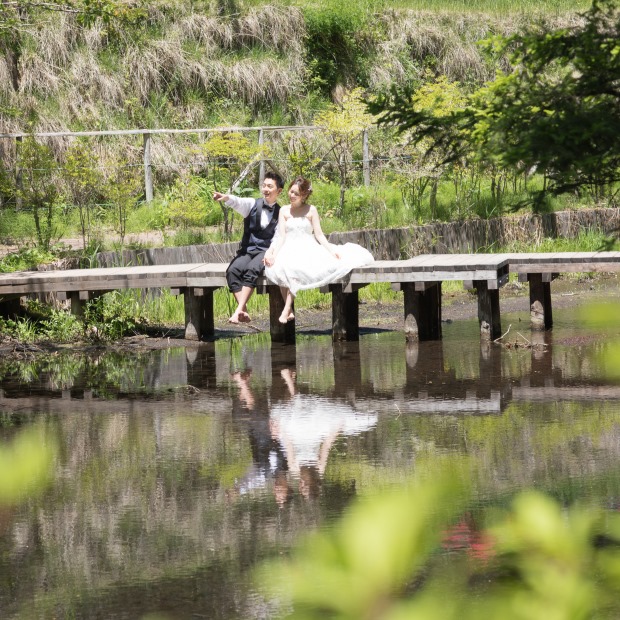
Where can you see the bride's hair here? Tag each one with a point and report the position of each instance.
(305, 187)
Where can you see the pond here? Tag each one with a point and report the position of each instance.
(178, 471)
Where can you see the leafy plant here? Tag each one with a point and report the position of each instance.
(343, 124)
(83, 183)
(112, 316)
(36, 189)
(229, 158)
(124, 188)
(536, 559)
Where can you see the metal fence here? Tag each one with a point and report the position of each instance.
(150, 134)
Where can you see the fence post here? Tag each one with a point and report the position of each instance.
(19, 184)
(366, 158)
(148, 172)
(261, 168)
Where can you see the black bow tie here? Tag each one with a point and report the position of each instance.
(270, 208)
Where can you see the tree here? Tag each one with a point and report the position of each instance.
(230, 157)
(36, 189)
(557, 111)
(83, 183)
(343, 124)
(124, 188)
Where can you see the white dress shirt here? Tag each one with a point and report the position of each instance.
(243, 206)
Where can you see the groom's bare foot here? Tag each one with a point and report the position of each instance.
(244, 317)
(234, 319)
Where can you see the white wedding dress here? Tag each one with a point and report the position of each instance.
(303, 263)
(306, 421)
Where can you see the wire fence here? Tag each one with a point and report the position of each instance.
(149, 136)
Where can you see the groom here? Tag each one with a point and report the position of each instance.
(260, 220)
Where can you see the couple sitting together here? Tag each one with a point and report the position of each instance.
(287, 243)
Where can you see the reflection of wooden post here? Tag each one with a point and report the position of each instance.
(148, 172)
(279, 332)
(422, 310)
(201, 367)
(347, 368)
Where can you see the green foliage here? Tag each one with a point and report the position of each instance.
(36, 189)
(124, 188)
(83, 183)
(112, 316)
(343, 124)
(25, 259)
(25, 465)
(188, 202)
(555, 112)
(536, 559)
(229, 159)
(335, 49)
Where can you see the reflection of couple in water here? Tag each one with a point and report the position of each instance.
(294, 442)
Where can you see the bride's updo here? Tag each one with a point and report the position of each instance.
(305, 187)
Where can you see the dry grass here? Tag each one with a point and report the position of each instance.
(94, 38)
(272, 28)
(91, 84)
(451, 38)
(37, 75)
(6, 86)
(214, 34)
(56, 41)
(153, 67)
(262, 82)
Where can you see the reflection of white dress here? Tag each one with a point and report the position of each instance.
(306, 421)
(303, 263)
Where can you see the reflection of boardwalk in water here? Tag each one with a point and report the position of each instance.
(196, 380)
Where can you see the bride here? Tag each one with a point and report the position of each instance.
(300, 257)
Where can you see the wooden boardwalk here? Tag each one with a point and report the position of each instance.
(419, 279)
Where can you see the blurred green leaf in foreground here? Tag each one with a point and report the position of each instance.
(25, 465)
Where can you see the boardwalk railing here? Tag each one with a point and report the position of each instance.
(419, 279)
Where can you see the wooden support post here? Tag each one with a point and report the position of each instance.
(422, 310)
(261, 166)
(540, 302)
(78, 302)
(148, 172)
(10, 308)
(199, 322)
(366, 158)
(279, 332)
(345, 314)
(488, 310)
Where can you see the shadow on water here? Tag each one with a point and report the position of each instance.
(178, 470)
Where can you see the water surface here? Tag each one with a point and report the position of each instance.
(177, 471)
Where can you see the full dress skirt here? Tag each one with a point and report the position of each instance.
(303, 263)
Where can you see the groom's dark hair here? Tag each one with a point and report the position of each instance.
(277, 178)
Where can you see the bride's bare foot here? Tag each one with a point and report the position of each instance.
(286, 317)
